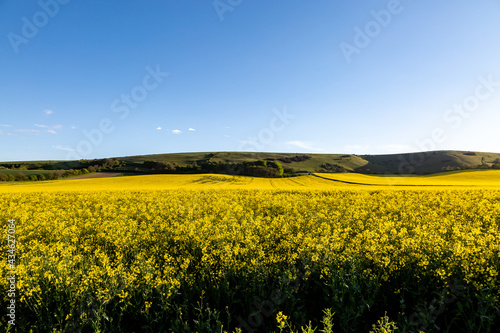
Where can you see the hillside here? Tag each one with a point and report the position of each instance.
(418, 163)
(293, 164)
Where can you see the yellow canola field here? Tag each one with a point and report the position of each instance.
(163, 182)
(136, 243)
(322, 181)
(438, 232)
(489, 178)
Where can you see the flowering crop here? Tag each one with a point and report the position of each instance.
(132, 252)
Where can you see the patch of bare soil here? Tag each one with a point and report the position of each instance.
(97, 175)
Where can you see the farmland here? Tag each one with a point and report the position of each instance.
(187, 253)
(238, 163)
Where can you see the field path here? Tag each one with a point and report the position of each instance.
(96, 175)
(340, 181)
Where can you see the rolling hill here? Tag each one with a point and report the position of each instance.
(408, 163)
(293, 164)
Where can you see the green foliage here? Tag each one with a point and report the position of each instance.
(21, 177)
(277, 165)
(329, 167)
(327, 321)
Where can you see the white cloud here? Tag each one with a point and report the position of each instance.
(33, 131)
(38, 125)
(176, 131)
(303, 145)
(158, 128)
(57, 126)
(73, 127)
(51, 132)
(3, 125)
(191, 129)
(62, 148)
(1, 132)
(48, 112)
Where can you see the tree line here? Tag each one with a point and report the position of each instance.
(57, 174)
(85, 167)
(260, 168)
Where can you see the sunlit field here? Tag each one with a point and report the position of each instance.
(321, 181)
(215, 253)
(488, 178)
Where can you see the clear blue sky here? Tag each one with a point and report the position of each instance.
(89, 79)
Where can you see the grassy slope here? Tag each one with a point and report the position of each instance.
(26, 172)
(311, 165)
(428, 162)
(422, 163)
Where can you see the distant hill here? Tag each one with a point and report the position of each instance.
(293, 164)
(408, 163)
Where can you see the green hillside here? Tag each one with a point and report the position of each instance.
(293, 164)
(418, 163)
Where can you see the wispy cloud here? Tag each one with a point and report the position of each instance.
(3, 125)
(303, 145)
(176, 131)
(62, 148)
(191, 129)
(57, 126)
(48, 112)
(38, 125)
(32, 131)
(51, 132)
(158, 128)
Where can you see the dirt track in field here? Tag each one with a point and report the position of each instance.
(97, 175)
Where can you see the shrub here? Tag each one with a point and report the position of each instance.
(21, 177)
(59, 173)
(276, 165)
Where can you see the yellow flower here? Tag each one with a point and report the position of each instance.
(281, 319)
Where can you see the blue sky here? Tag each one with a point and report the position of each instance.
(92, 79)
